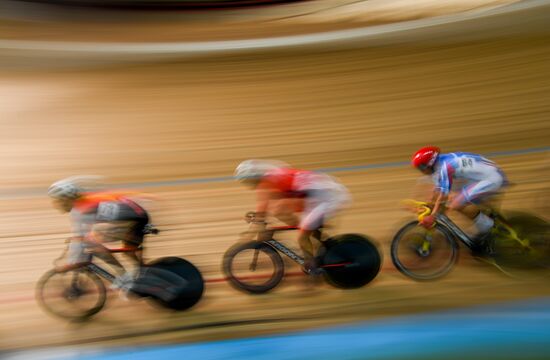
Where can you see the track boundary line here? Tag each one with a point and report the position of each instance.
(40, 192)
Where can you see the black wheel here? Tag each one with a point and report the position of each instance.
(532, 254)
(75, 294)
(253, 267)
(193, 283)
(423, 254)
(350, 261)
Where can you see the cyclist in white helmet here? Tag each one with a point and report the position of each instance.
(98, 217)
(287, 191)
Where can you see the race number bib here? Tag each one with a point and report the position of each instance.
(467, 162)
(108, 211)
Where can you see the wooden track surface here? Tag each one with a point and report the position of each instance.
(313, 109)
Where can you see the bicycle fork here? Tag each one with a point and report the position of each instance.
(254, 263)
(426, 244)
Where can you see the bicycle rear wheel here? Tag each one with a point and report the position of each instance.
(253, 267)
(351, 261)
(192, 292)
(423, 254)
(533, 255)
(74, 295)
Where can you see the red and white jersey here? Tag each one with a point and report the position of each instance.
(294, 182)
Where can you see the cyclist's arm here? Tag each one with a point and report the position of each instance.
(439, 198)
(82, 225)
(263, 196)
(265, 192)
(444, 182)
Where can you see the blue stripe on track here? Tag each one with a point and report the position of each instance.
(182, 182)
(327, 170)
(511, 331)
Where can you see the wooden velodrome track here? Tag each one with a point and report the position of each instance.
(317, 108)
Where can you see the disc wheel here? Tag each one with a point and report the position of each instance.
(351, 261)
(533, 255)
(194, 283)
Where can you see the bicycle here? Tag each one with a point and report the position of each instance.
(77, 292)
(349, 261)
(517, 242)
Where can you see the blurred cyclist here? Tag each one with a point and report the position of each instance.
(287, 191)
(99, 217)
(483, 179)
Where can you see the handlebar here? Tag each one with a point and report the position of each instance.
(250, 218)
(150, 229)
(422, 208)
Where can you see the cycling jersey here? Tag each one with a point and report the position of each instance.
(285, 180)
(483, 176)
(324, 195)
(92, 208)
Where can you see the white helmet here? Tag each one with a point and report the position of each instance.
(254, 168)
(69, 188)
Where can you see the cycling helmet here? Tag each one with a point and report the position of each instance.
(71, 187)
(255, 169)
(64, 189)
(425, 157)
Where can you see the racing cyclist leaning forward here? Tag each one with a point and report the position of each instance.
(319, 197)
(483, 178)
(99, 217)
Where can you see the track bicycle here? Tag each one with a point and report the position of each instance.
(518, 242)
(78, 291)
(348, 260)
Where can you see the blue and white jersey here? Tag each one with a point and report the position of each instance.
(466, 166)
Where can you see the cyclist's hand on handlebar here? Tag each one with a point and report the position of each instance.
(428, 221)
(255, 217)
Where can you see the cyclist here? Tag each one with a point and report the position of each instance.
(289, 191)
(99, 217)
(483, 179)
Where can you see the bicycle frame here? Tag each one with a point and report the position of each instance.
(280, 247)
(441, 219)
(97, 269)
(291, 254)
(444, 221)
(457, 232)
(100, 271)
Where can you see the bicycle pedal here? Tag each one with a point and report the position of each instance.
(314, 271)
(123, 295)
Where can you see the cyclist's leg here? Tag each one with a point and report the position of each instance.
(313, 216)
(94, 245)
(134, 240)
(131, 220)
(468, 204)
(320, 205)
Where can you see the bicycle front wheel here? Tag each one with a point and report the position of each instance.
(424, 254)
(74, 295)
(253, 267)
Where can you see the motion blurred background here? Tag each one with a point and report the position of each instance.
(169, 100)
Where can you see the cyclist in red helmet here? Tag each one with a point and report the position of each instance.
(483, 179)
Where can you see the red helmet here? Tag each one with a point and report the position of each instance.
(425, 157)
